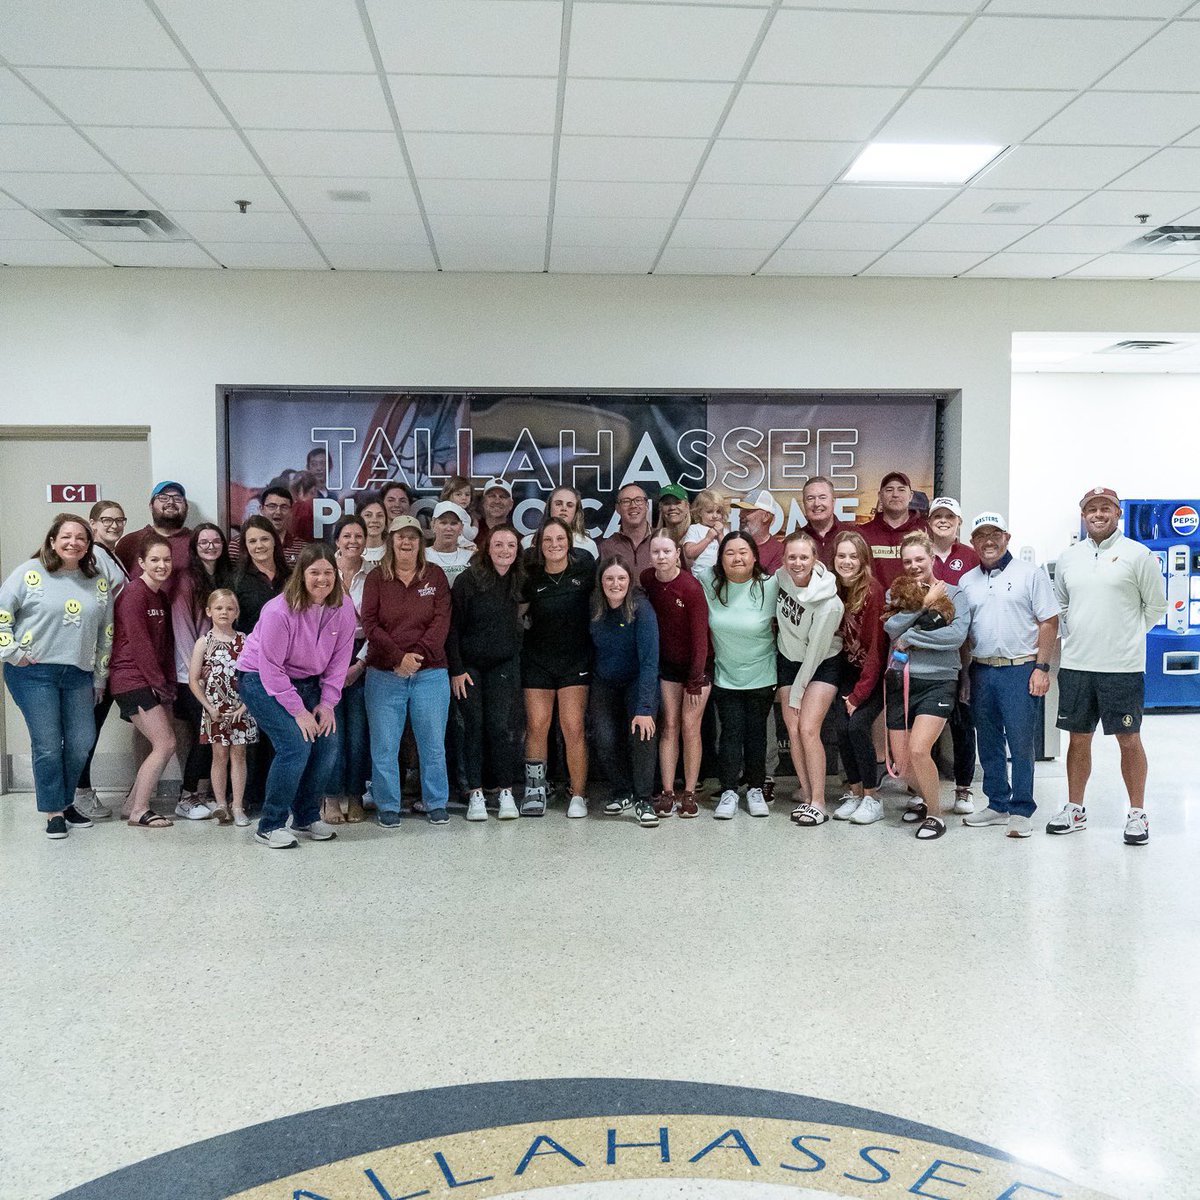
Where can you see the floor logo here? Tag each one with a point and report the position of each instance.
(585, 1139)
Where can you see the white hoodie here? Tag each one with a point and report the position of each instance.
(808, 619)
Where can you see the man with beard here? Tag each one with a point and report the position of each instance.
(168, 518)
(757, 515)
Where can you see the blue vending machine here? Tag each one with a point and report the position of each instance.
(1170, 529)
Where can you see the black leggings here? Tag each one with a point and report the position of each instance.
(199, 760)
(962, 737)
(101, 713)
(855, 743)
(487, 714)
(743, 742)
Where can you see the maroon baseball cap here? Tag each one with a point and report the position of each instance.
(1099, 493)
(892, 475)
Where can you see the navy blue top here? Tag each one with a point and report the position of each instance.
(627, 651)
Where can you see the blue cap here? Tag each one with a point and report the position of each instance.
(168, 483)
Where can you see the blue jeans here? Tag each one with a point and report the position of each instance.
(1005, 712)
(56, 702)
(352, 768)
(425, 699)
(300, 769)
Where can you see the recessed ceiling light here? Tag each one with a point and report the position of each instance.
(905, 162)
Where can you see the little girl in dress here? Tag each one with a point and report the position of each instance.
(226, 725)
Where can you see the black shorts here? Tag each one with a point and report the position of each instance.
(139, 700)
(542, 677)
(1113, 699)
(831, 671)
(681, 672)
(926, 698)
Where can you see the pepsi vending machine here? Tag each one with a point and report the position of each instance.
(1170, 529)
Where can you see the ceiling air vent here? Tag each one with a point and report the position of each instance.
(114, 224)
(1006, 207)
(350, 196)
(1142, 346)
(1175, 238)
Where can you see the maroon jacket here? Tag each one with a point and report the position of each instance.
(400, 618)
(683, 638)
(885, 544)
(956, 564)
(825, 541)
(770, 555)
(865, 643)
(143, 653)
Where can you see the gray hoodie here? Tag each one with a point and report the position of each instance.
(808, 619)
(933, 653)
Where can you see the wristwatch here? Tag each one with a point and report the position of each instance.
(1042, 667)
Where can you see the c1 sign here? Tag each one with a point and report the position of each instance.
(72, 493)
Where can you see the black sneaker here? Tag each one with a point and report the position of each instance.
(644, 811)
(56, 828)
(75, 818)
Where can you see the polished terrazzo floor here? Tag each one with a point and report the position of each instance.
(1038, 996)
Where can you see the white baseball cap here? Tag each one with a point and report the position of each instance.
(948, 503)
(761, 501)
(989, 518)
(442, 507)
(496, 482)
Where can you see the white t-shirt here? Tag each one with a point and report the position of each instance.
(453, 562)
(373, 554)
(707, 557)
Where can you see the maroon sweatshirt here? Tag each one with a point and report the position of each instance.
(128, 547)
(400, 618)
(956, 564)
(885, 544)
(865, 643)
(143, 653)
(825, 541)
(683, 638)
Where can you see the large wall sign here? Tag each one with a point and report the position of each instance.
(596, 442)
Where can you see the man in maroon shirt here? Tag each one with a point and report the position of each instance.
(631, 543)
(890, 525)
(168, 518)
(757, 513)
(821, 523)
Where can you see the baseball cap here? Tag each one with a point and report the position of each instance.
(405, 521)
(496, 482)
(946, 502)
(762, 501)
(989, 518)
(442, 507)
(1099, 493)
(673, 492)
(893, 475)
(159, 488)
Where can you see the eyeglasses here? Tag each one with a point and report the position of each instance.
(169, 498)
(632, 502)
(112, 522)
(208, 545)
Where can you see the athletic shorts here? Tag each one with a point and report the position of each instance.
(1113, 699)
(139, 700)
(543, 677)
(681, 672)
(830, 671)
(926, 698)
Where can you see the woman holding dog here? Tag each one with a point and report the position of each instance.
(927, 621)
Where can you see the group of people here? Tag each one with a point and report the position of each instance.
(315, 679)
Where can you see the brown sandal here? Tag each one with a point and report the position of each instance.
(151, 820)
(331, 811)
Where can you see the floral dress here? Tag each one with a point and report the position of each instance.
(216, 675)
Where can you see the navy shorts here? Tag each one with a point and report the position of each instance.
(1112, 699)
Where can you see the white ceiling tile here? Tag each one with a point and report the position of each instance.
(488, 257)
(47, 148)
(926, 263)
(468, 37)
(481, 155)
(449, 104)
(691, 233)
(63, 253)
(1192, 139)
(875, 236)
(635, 233)
(346, 152)
(384, 256)
(1114, 208)
(939, 6)
(854, 202)
(1027, 266)
(365, 228)
(1024, 52)
(1161, 64)
(971, 115)
(1191, 271)
(276, 256)
(818, 262)
(311, 194)
(735, 160)
(19, 105)
(18, 223)
(240, 227)
(639, 109)
(1173, 169)
(111, 97)
(1126, 266)
(971, 206)
(212, 193)
(6, 201)
(777, 110)
(750, 201)
(487, 231)
(154, 254)
(167, 151)
(302, 100)
(1060, 166)
(629, 159)
(574, 198)
(623, 41)
(47, 189)
(1123, 118)
(271, 35)
(851, 47)
(1086, 8)
(699, 3)
(711, 261)
(1077, 239)
(595, 260)
(946, 235)
(117, 33)
(494, 197)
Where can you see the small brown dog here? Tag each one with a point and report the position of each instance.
(907, 594)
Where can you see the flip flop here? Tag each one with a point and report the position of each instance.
(915, 812)
(810, 815)
(931, 827)
(151, 820)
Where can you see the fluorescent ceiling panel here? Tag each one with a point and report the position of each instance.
(891, 162)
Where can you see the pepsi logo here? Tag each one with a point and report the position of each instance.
(1179, 606)
(1185, 519)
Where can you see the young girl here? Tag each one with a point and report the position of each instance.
(225, 726)
(710, 521)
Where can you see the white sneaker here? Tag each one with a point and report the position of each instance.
(868, 812)
(508, 806)
(1018, 826)
(277, 839)
(577, 807)
(727, 806)
(848, 806)
(756, 803)
(1071, 818)
(1137, 828)
(318, 831)
(988, 816)
(192, 809)
(477, 806)
(963, 801)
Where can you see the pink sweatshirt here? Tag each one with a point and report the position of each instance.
(287, 645)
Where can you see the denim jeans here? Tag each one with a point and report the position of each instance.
(743, 742)
(424, 698)
(352, 768)
(1005, 712)
(56, 701)
(628, 760)
(300, 769)
(487, 716)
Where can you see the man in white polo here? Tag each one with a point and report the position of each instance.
(1014, 624)
(1110, 592)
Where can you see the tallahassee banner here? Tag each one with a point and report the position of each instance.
(355, 441)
